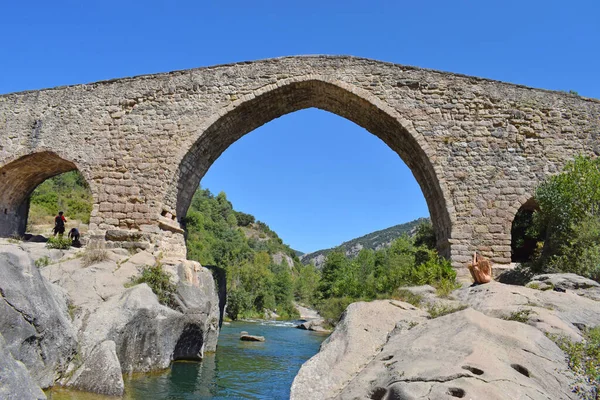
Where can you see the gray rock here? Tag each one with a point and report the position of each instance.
(569, 282)
(252, 338)
(15, 381)
(550, 311)
(315, 325)
(101, 372)
(362, 330)
(465, 355)
(199, 298)
(33, 318)
(148, 335)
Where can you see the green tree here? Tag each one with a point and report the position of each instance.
(568, 219)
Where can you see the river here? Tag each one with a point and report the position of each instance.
(238, 370)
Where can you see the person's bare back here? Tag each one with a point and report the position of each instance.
(480, 269)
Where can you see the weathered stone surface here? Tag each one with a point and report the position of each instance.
(568, 283)
(463, 355)
(549, 311)
(15, 381)
(101, 372)
(477, 148)
(359, 335)
(199, 298)
(33, 318)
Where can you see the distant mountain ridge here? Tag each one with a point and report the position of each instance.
(374, 241)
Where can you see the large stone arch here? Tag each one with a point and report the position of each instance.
(18, 179)
(485, 144)
(337, 97)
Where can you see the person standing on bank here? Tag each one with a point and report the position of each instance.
(59, 224)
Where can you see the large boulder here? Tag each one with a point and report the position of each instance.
(362, 330)
(198, 298)
(34, 318)
(550, 311)
(15, 381)
(463, 355)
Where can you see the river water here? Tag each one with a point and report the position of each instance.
(238, 370)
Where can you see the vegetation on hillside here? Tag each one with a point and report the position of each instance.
(567, 222)
(379, 273)
(246, 249)
(68, 192)
(373, 241)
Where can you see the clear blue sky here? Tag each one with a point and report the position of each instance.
(314, 177)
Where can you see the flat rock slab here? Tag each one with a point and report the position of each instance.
(362, 330)
(550, 311)
(463, 355)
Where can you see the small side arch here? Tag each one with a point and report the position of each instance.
(522, 244)
(18, 179)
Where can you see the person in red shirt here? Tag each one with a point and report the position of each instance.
(59, 224)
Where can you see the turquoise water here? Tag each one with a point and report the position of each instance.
(238, 370)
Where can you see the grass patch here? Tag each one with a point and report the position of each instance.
(160, 283)
(583, 358)
(520, 316)
(42, 262)
(57, 242)
(444, 287)
(407, 296)
(439, 310)
(94, 253)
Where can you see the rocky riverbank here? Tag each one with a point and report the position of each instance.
(66, 320)
(490, 341)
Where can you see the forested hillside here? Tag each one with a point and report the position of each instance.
(372, 241)
(263, 273)
(67, 192)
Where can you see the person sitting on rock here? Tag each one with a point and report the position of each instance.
(59, 224)
(480, 269)
(74, 236)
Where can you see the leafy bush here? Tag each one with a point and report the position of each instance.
(238, 300)
(58, 242)
(160, 283)
(425, 235)
(584, 357)
(332, 309)
(569, 220)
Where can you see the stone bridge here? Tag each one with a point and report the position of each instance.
(477, 147)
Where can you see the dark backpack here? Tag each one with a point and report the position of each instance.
(58, 222)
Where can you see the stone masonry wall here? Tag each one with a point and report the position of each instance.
(477, 147)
